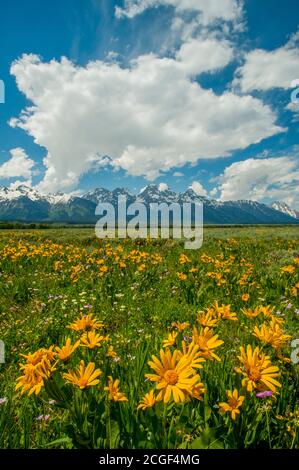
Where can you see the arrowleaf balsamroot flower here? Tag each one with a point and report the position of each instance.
(257, 370)
(86, 322)
(234, 402)
(252, 313)
(111, 353)
(197, 391)
(181, 326)
(36, 357)
(207, 342)
(184, 259)
(271, 334)
(148, 401)
(170, 341)
(207, 319)
(65, 352)
(192, 354)
(224, 312)
(38, 368)
(84, 376)
(30, 381)
(288, 269)
(174, 376)
(267, 311)
(114, 393)
(245, 297)
(91, 339)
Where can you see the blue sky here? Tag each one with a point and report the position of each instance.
(181, 96)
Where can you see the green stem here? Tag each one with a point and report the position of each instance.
(268, 429)
(164, 423)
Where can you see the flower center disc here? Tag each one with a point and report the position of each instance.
(171, 377)
(233, 403)
(83, 382)
(254, 374)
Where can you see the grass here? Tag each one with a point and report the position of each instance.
(49, 278)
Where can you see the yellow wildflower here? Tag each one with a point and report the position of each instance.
(207, 342)
(207, 319)
(174, 376)
(86, 322)
(288, 269)
(113, 390)
(31, 381)
(170, 341)
(257, 370)
(37, 369)
(197, 391)
(245, 297)
(272, 334)
(184, 259)
(234, 402)
(84, 376)
(181, 326)
(148, 401)
(65, 352)
(91, 339)
(111, 353)
(224, 312)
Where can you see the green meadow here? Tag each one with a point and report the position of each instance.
(143, 344)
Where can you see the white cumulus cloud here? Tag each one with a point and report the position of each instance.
(261, 179)
(147, 117)
(19, 165)
(211, 10)
(204, 55)
(264, 70)
(198, 188)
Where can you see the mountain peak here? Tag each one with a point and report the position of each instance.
(122, 191)
(285, 209)
(149, 187)
(191, 195)
(152, 193)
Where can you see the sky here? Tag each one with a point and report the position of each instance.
(123, 93)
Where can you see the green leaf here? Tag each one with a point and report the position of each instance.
(114, 434)
(63, 440)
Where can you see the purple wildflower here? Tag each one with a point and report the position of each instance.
(265, 394)
(188, 339)
(43, 418)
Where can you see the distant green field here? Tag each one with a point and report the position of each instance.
(200, 306)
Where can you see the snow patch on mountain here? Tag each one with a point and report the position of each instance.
(20, 191)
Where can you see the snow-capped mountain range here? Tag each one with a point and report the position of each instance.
(26, 204)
